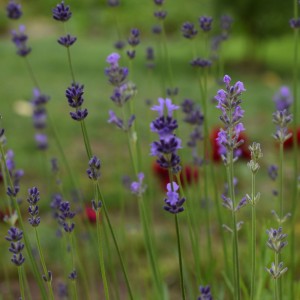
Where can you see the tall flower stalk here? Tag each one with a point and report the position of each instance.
(229, 104)
(253, 165)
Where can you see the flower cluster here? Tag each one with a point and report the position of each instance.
(66, 215)
(195, 118)
(232, 113)
(173, 201)
(93, 171)
(167, 146)
(62, 12)
(33, 198)
(205, 23)
(19, 38)
(282, 119)
(74, 95)
(283, 99)
(188, 30)
(276, 242)
(16, 246)
(133, 41)
(205, 293)
(218, 150)
(138, 187)
(13, 10)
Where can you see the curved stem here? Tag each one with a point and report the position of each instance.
(253, 239)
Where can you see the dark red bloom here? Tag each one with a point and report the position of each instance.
(90, 214)
(288, 144)
(188, 175)
(215, 147)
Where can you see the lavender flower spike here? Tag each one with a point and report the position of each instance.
(20, 40)
(137, 187)
(16, 246)
(173, 201)
(13, 10)
(205, 293)
(62, 12)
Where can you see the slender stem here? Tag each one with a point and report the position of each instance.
(100, 247)
(253, 239)
(70, 236)
(115, 243)
(21, 281)
(31, 73)
(276, 283)
(236, 267)
(180, 257)
(44, 264)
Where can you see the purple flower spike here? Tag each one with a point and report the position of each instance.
(79, 115)
(205, 23)
(137, 187)
(173, 201)
(20, 40)
(93, 171)
(205, 293)
(113, 59)
(42, 141)
(13, 10)
(61, 12)
(188, 30)
(295, 23)
(67, 40)
(16, 246)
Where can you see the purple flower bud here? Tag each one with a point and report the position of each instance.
(94, 168)
(79, 115)
(113, 59)
(67, 40)
(13, 10)
(137, 187)
(20, 40)
(205, 23)
(188, 30)
(62, 12)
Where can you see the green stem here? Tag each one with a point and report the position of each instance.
(115, 243)
(31, 73)
(179, 257)
(236, 267)
(22, 289)
(276, 283)
(44, 264)
(253, 239)
(100, 247)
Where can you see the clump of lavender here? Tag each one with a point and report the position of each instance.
(195, 118)
(13, 10)
(15, 236)
(168, 145)
(174, 204)
(205, 293)
(19, 38)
